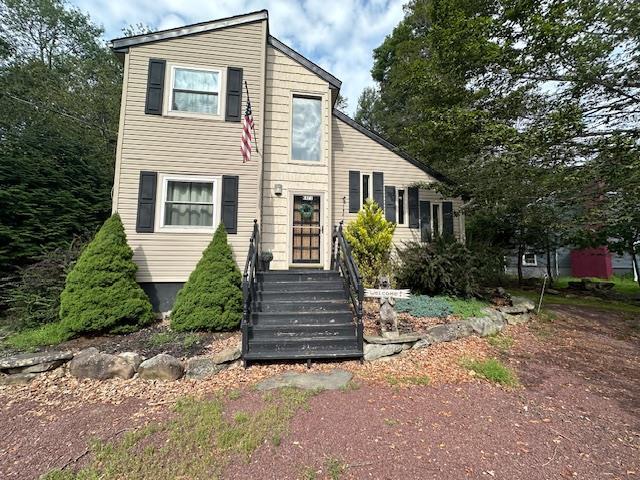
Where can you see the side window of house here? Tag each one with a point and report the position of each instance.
(306, 129)
(365, 188)
(195, 91)
(435, 218)
(400, 207)
(189, 203)
(529, 259)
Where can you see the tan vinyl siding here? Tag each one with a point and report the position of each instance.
(187, 146)
(284, 78)
(352, 150)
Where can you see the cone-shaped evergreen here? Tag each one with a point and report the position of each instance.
(212, 297)
(101, 293)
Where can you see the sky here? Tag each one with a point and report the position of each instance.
(338, 35)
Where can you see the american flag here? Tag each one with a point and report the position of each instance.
(247, 128)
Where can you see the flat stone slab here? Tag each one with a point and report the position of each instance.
(390, 340)
(29, 359)
(308, 381)
(17, 379)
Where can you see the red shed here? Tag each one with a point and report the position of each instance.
(591, 262)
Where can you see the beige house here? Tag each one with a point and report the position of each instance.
(180, 172)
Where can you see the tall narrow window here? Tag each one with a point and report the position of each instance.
(306, 130)
(435, 218)
(400, 207)
(365, 188)
(195, 91)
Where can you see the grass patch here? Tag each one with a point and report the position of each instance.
(48, 334)
(410, 380)
(493, 370)
(197, 444)
(625, 285)
(578, 301)
(335, 468)
(351, 386)
(308, 473)
(161, 339)
(500, 341)
(466, 307)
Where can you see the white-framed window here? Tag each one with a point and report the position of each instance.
(436, 218)
(530, 259)
(306, 128)
(189, 203)
(195, 91)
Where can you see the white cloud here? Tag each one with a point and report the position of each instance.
(338, 35)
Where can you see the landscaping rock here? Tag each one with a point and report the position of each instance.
(17, 378)
(514, 310)
(132, 358)
(161, 367)
(373, 351)
(518, 319)
(522, 302)
(484, 326)
(308, 381)
(390, 340)
(449, 332)
(228, 355)
(204, 367)
(90, 363)
(495, 315)
(34, 362)
(422, 343)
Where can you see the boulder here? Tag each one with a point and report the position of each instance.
(204, 367)
(449, 331)
(17, 378)
(422, 343)
(373, 351)
(132, 358)
(308, 381)
(484, 326)
(161, 367)
(518, 319)
(34, 362)
(392, 339)
(525, 303)
(90, 363)
(228, 355)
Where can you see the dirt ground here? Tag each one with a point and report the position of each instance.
(576, 414)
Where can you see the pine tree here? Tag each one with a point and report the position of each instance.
(212, 297)
(101, 293)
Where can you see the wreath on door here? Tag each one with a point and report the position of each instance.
(306, 211)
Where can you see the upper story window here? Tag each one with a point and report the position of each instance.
(189, 202)
(306, 130)
(195, 90)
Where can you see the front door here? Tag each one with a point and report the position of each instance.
(307, 229)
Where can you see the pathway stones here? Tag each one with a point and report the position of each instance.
(308, 381)
(90, 363)
(161, 367)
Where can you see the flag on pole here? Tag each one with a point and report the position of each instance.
(247, 128)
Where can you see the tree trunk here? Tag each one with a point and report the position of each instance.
(634, 259)
(520, 254)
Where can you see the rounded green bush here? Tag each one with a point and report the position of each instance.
(212, 297)
(101, 293)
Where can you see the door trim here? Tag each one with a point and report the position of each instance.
(290, 262)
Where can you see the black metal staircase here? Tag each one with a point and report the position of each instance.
(302, 314)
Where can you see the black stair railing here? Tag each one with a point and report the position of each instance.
(342, 261)
(249, 289)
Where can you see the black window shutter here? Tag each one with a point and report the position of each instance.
(390, 203)
(425, 221)
(146, 202)
(378, 188)
(447, 219)
(354, 191)
(155, 87)
(230, 203)
(234, 95)
(414, 214)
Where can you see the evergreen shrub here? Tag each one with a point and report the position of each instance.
(212, 297)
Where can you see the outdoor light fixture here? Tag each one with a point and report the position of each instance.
(278, 189)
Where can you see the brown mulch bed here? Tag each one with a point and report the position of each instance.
(577, 414)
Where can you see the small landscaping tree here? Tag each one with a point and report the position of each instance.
(101, 293)
(212, 297)
(370, 236)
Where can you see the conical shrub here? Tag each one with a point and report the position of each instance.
(212, 297)
(101, 293)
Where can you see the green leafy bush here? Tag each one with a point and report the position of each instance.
(424, 306)
(212, 297)
(441, 267)
(101, 293)
(370, 236)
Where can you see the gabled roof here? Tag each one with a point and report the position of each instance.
(390, 146)
(125, 42)
(291, 53)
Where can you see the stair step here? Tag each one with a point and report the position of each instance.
(301, 330)
(319, 294)
(287, 305)
(309, 286)
(304, 344)
(304, 318)
(298, 275)
(270, 355)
